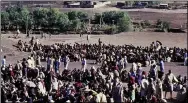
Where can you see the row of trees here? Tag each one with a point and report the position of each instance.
(53, 20)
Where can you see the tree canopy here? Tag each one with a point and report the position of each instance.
(52, 19)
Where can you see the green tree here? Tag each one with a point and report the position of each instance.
(41, 17)
(76, 25)
(52, 18)
(109, 17)
(63, 22)
(24, 18)
(165, 26)
(4, 20)
(97, 18)
(14, 17)
(124, 24)
(73, 15)
(162, 25)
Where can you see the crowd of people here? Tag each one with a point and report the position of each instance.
(28, 80)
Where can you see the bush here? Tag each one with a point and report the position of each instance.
(124, 24)
(162, 25)
(111, 30)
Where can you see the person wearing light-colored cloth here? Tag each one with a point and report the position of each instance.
(144, 86)
(159, 89)
(30, 63)
(158, 46)
(169, 79)
(38, 60)
(101, 98)
(66, 62)
(125, 61)
(41, 87)
(122, 63)
(51, 61)
(55, 84)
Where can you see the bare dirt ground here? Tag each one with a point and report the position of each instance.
(135, 38)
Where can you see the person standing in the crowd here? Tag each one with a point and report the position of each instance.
(153, 70)
(161, 64)
(41, 86)
(144, 88)
(4, 62)
(151, 88)
(185, 58)
(125, 61)
(88, 37)
(66, 62)
(84, 64)
(170, 77)
(25, 67)
(122, 63)
(117, 91)
(38, 60)
(139, 73)
(159, 89)
(28, 33)
(132, 89)
(30, 63)
(133, 70)
(48, 63)
(17, 33)
(99, 41)
(56, 65)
